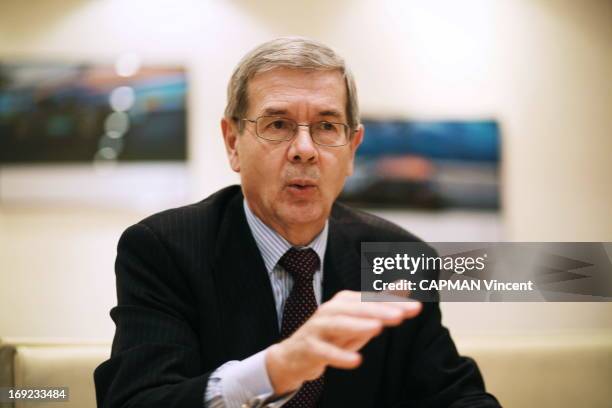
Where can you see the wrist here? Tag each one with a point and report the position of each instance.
(281, 378)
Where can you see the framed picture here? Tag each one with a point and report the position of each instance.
(97, 135)
(77, 113)
(427, 164)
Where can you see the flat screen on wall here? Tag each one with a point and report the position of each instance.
(427, 164)
(77, 113)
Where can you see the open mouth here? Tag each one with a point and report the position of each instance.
(301, 185)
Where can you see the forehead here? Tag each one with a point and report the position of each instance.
(294, 89)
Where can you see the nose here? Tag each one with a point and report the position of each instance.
(302, 148)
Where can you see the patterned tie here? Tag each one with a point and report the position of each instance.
(300, 305)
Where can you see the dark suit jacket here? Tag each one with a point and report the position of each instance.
(193, 293)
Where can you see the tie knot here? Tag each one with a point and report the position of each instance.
(300, 263)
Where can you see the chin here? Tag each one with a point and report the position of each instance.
(302, 212)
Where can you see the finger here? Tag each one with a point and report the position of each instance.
(390, 312)
(410, 308)
(347, 295)
(335, 356)
(397, 292)
(347, 327)
(354, 344)
(388, 297)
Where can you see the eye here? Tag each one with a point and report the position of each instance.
(327, 127)
(279, 124)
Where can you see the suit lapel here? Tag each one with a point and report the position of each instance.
(248, 313)
(342, 271)
(342, 262)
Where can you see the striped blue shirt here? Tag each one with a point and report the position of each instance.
(246, 382)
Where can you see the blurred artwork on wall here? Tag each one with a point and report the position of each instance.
(55, 113)
(427, 165)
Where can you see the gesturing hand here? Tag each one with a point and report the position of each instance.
(332, 337)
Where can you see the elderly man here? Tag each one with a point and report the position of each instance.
(250, 297)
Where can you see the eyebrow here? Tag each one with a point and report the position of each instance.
(279, 112)
(274, 112)
(332, 113)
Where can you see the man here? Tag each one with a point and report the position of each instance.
(250, 297)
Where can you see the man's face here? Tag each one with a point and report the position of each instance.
(292, 183)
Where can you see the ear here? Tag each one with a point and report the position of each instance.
(353, 145)
(230, 137)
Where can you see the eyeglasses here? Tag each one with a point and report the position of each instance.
(277, 129)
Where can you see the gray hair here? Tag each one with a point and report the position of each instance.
(288, 52)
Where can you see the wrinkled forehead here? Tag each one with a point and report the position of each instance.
(286, 89)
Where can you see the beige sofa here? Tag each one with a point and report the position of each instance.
(26, 363)
(550, 371)
(545, 371)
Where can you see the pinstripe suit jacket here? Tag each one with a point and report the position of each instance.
(193, 293)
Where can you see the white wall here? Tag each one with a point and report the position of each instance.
(541, 67)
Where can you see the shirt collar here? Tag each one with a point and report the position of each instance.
(273, 246)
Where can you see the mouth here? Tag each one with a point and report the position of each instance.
(302, 185)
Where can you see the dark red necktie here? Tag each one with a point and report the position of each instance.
(299, 306)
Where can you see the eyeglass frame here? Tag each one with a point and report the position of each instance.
(349, 131)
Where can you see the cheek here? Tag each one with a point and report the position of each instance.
(263, 167)
(336, 167)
